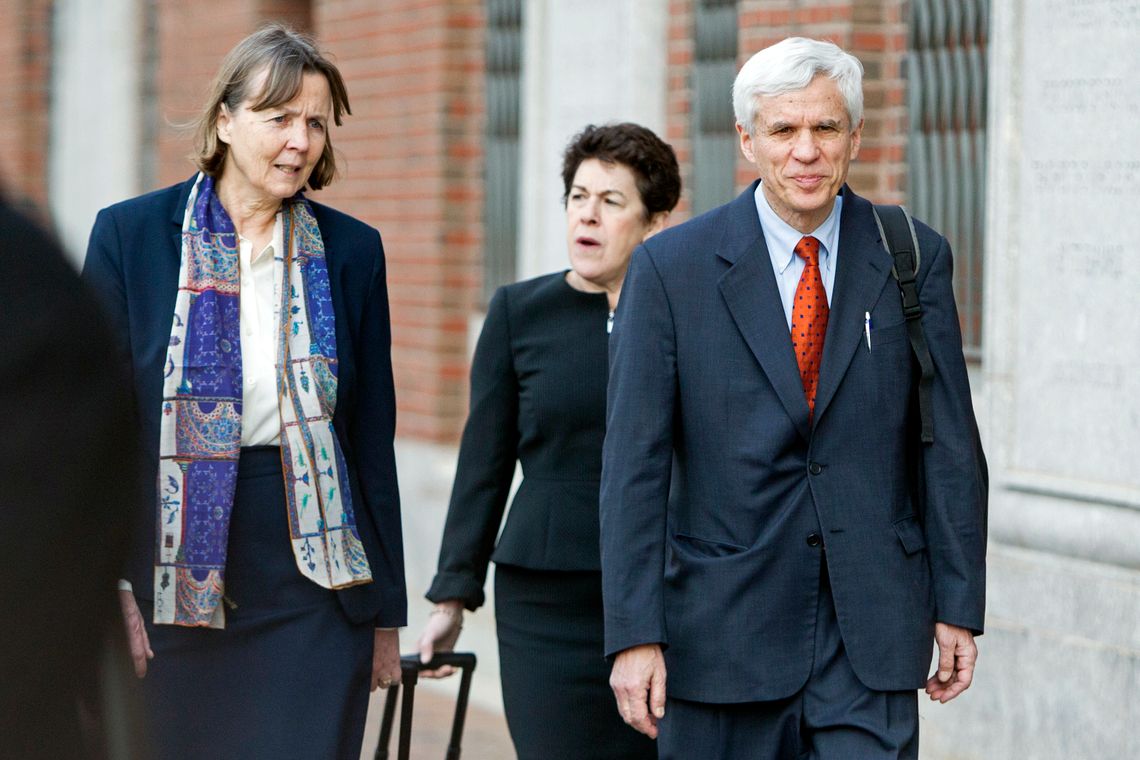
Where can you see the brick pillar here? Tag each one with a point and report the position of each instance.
(679, 98)
(879, 38)
(25, 81)
(412, 166)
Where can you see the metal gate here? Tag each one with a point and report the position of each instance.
(713, 125)
(501, 143)
(946, 139)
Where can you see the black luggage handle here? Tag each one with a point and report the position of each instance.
(410, 667)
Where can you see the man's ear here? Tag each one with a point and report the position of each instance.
(745, 143)
(856, 139)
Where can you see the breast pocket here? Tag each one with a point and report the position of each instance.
(884, 336)
(891, 371)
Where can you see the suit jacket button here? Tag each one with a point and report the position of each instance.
(813, 539)
(815, 468)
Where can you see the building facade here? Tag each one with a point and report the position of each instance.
(460, 111)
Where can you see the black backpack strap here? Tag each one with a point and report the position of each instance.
(898, 236)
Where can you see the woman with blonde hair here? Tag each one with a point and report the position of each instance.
(267, 574)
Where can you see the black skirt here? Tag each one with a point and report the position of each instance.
(289, 674)
(556, 691)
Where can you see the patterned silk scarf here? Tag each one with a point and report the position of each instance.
(200, 438)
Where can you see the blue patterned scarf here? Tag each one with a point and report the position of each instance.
(200, 438)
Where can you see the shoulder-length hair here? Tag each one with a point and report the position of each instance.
(286, 56)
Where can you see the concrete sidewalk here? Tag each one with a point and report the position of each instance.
(485, 734)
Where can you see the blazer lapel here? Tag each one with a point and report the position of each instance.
(750, 292)
(178, 214)
(862, 270)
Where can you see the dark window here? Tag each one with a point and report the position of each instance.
(946, 139)
(501, 176)
(714, 128)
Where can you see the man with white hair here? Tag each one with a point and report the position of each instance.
(780, 548)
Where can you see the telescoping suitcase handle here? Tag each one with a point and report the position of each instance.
(410, 667)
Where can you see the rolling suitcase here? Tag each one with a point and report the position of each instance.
(410, 667)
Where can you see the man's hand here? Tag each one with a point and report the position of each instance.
(638, 673)
(137, 639)
(440, 635)
(957, 654)
(385, 659)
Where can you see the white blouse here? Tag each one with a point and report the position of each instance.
(260, 419)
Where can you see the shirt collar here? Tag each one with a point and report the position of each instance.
(276, 243)
(782, 237)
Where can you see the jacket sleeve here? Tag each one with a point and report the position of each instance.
(102, 270)
(103, 273)
(373, 431)
(637, 460)
(487, 455)
(954, 467)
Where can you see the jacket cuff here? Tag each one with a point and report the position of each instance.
(448, 585)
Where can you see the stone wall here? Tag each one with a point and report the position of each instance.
(1060, 662)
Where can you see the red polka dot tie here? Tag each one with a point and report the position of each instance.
(809, 318)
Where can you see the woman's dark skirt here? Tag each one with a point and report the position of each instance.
(289, 674)
(555, 677)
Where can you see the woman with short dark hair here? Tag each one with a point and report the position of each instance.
(538, 397)
(267, 575)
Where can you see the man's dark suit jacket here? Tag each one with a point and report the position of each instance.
(133, 260)
(67, 461)
(707, 413)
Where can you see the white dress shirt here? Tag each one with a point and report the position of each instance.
(260, 418)
(781, 239)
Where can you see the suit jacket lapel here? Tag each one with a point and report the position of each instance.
(862, 270)
(749, 289)
(178, 214)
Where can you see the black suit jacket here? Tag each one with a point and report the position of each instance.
(714, 477)
(538, 396)
(133, 260)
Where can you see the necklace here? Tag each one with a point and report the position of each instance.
(610, 322)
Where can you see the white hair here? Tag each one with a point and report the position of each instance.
(791, 65)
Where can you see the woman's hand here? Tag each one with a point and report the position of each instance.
(385, 659)
(440, 635)
(136, 632)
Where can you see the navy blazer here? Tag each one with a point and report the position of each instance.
(133, 260)
(707, 416)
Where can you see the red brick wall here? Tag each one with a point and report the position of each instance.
(878, 38)
(412, 155)
(679, 97)
(25, 75)
(873, 30)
